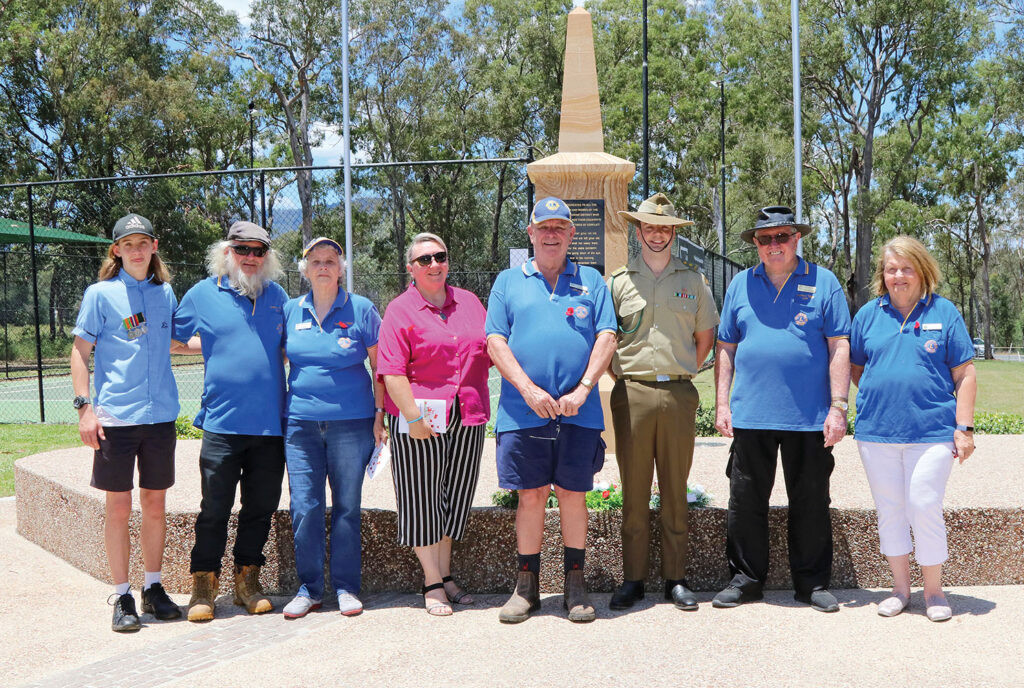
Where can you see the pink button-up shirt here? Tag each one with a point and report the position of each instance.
(442, 351)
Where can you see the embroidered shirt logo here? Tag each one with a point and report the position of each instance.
(344, 342)
(931, 346)
(581, 312)
(800, 319)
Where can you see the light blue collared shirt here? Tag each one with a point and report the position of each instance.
(129, 323)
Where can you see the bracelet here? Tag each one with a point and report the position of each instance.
(416, 419)
(378, 410)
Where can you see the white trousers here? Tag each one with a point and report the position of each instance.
(908, 483)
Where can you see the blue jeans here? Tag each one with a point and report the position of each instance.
(318, 452)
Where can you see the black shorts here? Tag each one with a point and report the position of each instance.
(113, 464)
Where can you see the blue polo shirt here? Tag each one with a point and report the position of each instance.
(551, 332)
(129, 322)
(906, 393)
(781, 377)
(243, 385)
(327, 378)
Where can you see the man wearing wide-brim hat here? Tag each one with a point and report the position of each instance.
(666, 318)
(782, 375)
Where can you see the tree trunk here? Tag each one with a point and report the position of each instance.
(496, 224)
(986, 249)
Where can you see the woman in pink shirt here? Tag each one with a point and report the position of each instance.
(432, 353)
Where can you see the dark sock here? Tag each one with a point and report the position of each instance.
(574, 558)
(530, 562)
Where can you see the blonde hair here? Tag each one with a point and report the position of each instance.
(913, 251)
(423, 238)
(112, 265)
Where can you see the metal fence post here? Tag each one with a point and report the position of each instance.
(7, 317)
(35, 305)
(529, 184)
(263, 199)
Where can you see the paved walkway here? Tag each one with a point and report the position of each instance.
(55, 630)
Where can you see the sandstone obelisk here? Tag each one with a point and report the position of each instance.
(594, 183)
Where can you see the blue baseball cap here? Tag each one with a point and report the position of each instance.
(550, 208)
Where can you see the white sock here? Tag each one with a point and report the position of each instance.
(122, 588)
(151, 577)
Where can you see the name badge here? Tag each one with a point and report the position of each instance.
(808, 288)
(582, 288)
(931, 326)
(303, 325)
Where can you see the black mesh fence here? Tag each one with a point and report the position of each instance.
(478, 207)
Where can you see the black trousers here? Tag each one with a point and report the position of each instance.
(806, 466)
(255, 462)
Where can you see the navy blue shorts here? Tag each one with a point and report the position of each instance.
(559, 453)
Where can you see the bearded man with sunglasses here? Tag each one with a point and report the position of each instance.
(238, 314)
(784, 353)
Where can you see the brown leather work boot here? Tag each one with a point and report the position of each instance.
(524, 600)
(575, 599)
(204, 592)
(249, 592)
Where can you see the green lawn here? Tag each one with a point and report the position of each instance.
(1000, 390)
(22, 439)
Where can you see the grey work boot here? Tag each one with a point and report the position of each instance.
(580, 609)
(524, 600)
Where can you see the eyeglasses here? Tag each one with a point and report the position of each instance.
(779, 239)
(258, 251)
(441, 257)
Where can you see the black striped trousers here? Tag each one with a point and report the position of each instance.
(435, 480)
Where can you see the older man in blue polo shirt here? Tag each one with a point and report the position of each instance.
(551, 333)
(784, 337)
(238, 313)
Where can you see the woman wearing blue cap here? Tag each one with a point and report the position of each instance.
(334, 419)
(126, 319)
(912, 361)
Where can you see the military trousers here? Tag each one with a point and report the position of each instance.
(654, 426)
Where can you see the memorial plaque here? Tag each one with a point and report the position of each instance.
(587, 247)
(690, 253)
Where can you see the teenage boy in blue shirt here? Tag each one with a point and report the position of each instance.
(126, 319)
(238, 313)
(784, 336)
(550, 333)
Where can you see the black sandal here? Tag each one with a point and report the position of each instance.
(460, 596)
(435, 608)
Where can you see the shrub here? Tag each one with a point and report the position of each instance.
(706, 421)
(998, 423)
(604, 497)
(184, 430)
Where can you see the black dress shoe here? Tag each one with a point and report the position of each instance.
(679, 592)
(156, 602)
(125, 618)
(628, 594)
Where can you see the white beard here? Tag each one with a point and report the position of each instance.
(246, 285)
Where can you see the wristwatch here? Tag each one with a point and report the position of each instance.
(587, 382)
(841, 405)
(78, 402)
(965, 428)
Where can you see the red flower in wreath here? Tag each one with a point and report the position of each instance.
(606, 494)
(568, 311)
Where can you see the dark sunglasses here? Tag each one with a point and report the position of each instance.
(424, 260)
(777, 238)
(258, 251)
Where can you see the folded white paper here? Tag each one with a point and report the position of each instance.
(434, 411)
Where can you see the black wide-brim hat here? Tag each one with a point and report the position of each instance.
(774, 216)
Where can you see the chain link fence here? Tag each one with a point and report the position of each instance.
(478, 206)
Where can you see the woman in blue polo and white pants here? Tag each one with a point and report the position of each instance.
(334, 419)
(912, 361)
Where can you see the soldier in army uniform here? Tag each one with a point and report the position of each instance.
(666, 328)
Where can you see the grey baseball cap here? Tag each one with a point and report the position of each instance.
(132, 224)
(248, 231)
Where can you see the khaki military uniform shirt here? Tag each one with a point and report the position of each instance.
(657, 317)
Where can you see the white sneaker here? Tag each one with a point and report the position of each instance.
(300, 606)
(349, 604)
(939, 612)
(893, 605)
